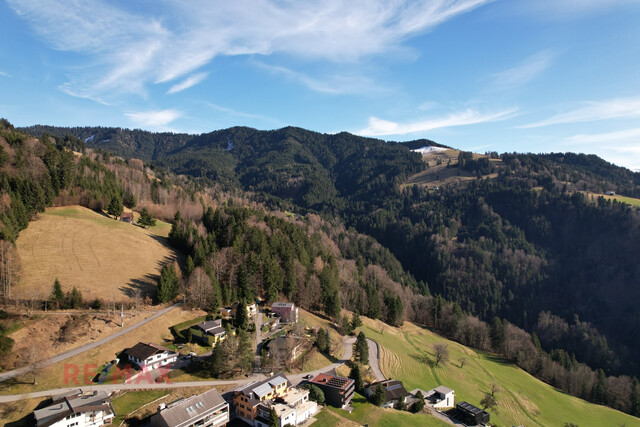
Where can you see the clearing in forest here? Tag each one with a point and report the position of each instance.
(100, 256)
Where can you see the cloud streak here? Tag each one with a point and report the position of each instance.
(3, 74)
(601, 110)
(609, 137)
(127, 50)
(523, 73)
(154, 119)
(380, 127)
(189, 82)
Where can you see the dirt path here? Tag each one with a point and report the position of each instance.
(11, 374)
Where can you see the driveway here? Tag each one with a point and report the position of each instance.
(374, 359)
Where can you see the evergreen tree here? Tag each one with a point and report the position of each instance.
(128, 199)
(75, 298)
(190, 266)
(418, 406)
(189, 335)
(273, 418)
(599, 390)
(146, 219)
(401, 404)
(215, 361)
(241, 320)
(356, 376)
(635, 398)
(115, 207)
(315, 393)
(361, 349)
(168, 284)
(57, 295)
(379, 395)
(245, 351)
(355, 320)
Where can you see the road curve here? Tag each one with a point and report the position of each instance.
(62, 356)
(146, 385)
(374, 359)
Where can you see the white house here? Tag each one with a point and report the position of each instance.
(76, 409)
(440, 397)
(150, 356)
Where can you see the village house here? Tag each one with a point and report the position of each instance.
(287, 311)
(208, 409)
(225, 312)
(76, 409)
(293, 408)
(126, 217)
(150, 356)
(286, 349)
(247, 399)
(251, 309)
(338, 391)
(394, 392)
(210, 332)
(440, 397)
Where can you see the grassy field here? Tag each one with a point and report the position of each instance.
(366, 413)
(130, 402)
(16, 414)
(156, 331)
(622, 199)
(406, 355)
(102, 257)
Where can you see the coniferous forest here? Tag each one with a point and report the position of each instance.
(523, 262)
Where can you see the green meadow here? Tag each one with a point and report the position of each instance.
(407, 354)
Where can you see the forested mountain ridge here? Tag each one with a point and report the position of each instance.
(519, 245)
(465, 241)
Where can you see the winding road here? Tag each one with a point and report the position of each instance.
(145, 385)
(62, 356)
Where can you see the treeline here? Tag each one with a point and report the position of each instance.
(556, 367)
(238, 254)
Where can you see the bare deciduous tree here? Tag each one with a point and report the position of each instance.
(9, 268)
(441, 352)
(463, 361)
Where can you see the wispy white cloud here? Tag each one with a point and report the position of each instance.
(380, 127)
(239, 114)
(609, 137)
(154, 119)
(188, 82)
(595, 110)
(339, 84)
(129, 49)
(3, 74)
(523, 73)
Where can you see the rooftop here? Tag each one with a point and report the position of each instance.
(188, 408)
(442, 389)
(282, 305)
(71, 404)
(468, 407)
(332, 381)
(142, 351)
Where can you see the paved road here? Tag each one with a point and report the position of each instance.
(144, 384)
(11, 374)
(374, 359)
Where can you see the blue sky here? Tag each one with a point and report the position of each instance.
(503, 75)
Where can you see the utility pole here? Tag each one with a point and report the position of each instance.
(122, 316)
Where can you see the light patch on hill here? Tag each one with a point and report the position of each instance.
(429, 149)
(102, 257)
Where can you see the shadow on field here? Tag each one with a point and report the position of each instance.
(144, 286)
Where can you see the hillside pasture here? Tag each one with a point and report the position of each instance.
(407, 354)
(100, 256)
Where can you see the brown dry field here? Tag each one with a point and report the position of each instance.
(58, 333)
(156, 331)
(102, 257)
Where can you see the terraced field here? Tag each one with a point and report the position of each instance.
(407, 354)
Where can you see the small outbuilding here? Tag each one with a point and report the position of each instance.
(126, 217)
(471, 415)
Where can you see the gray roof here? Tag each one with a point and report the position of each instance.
(442, 389)
(187, 409)
(393, 389)
(98, 401)
(211, 327)
(263, 387)
(282, 304)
